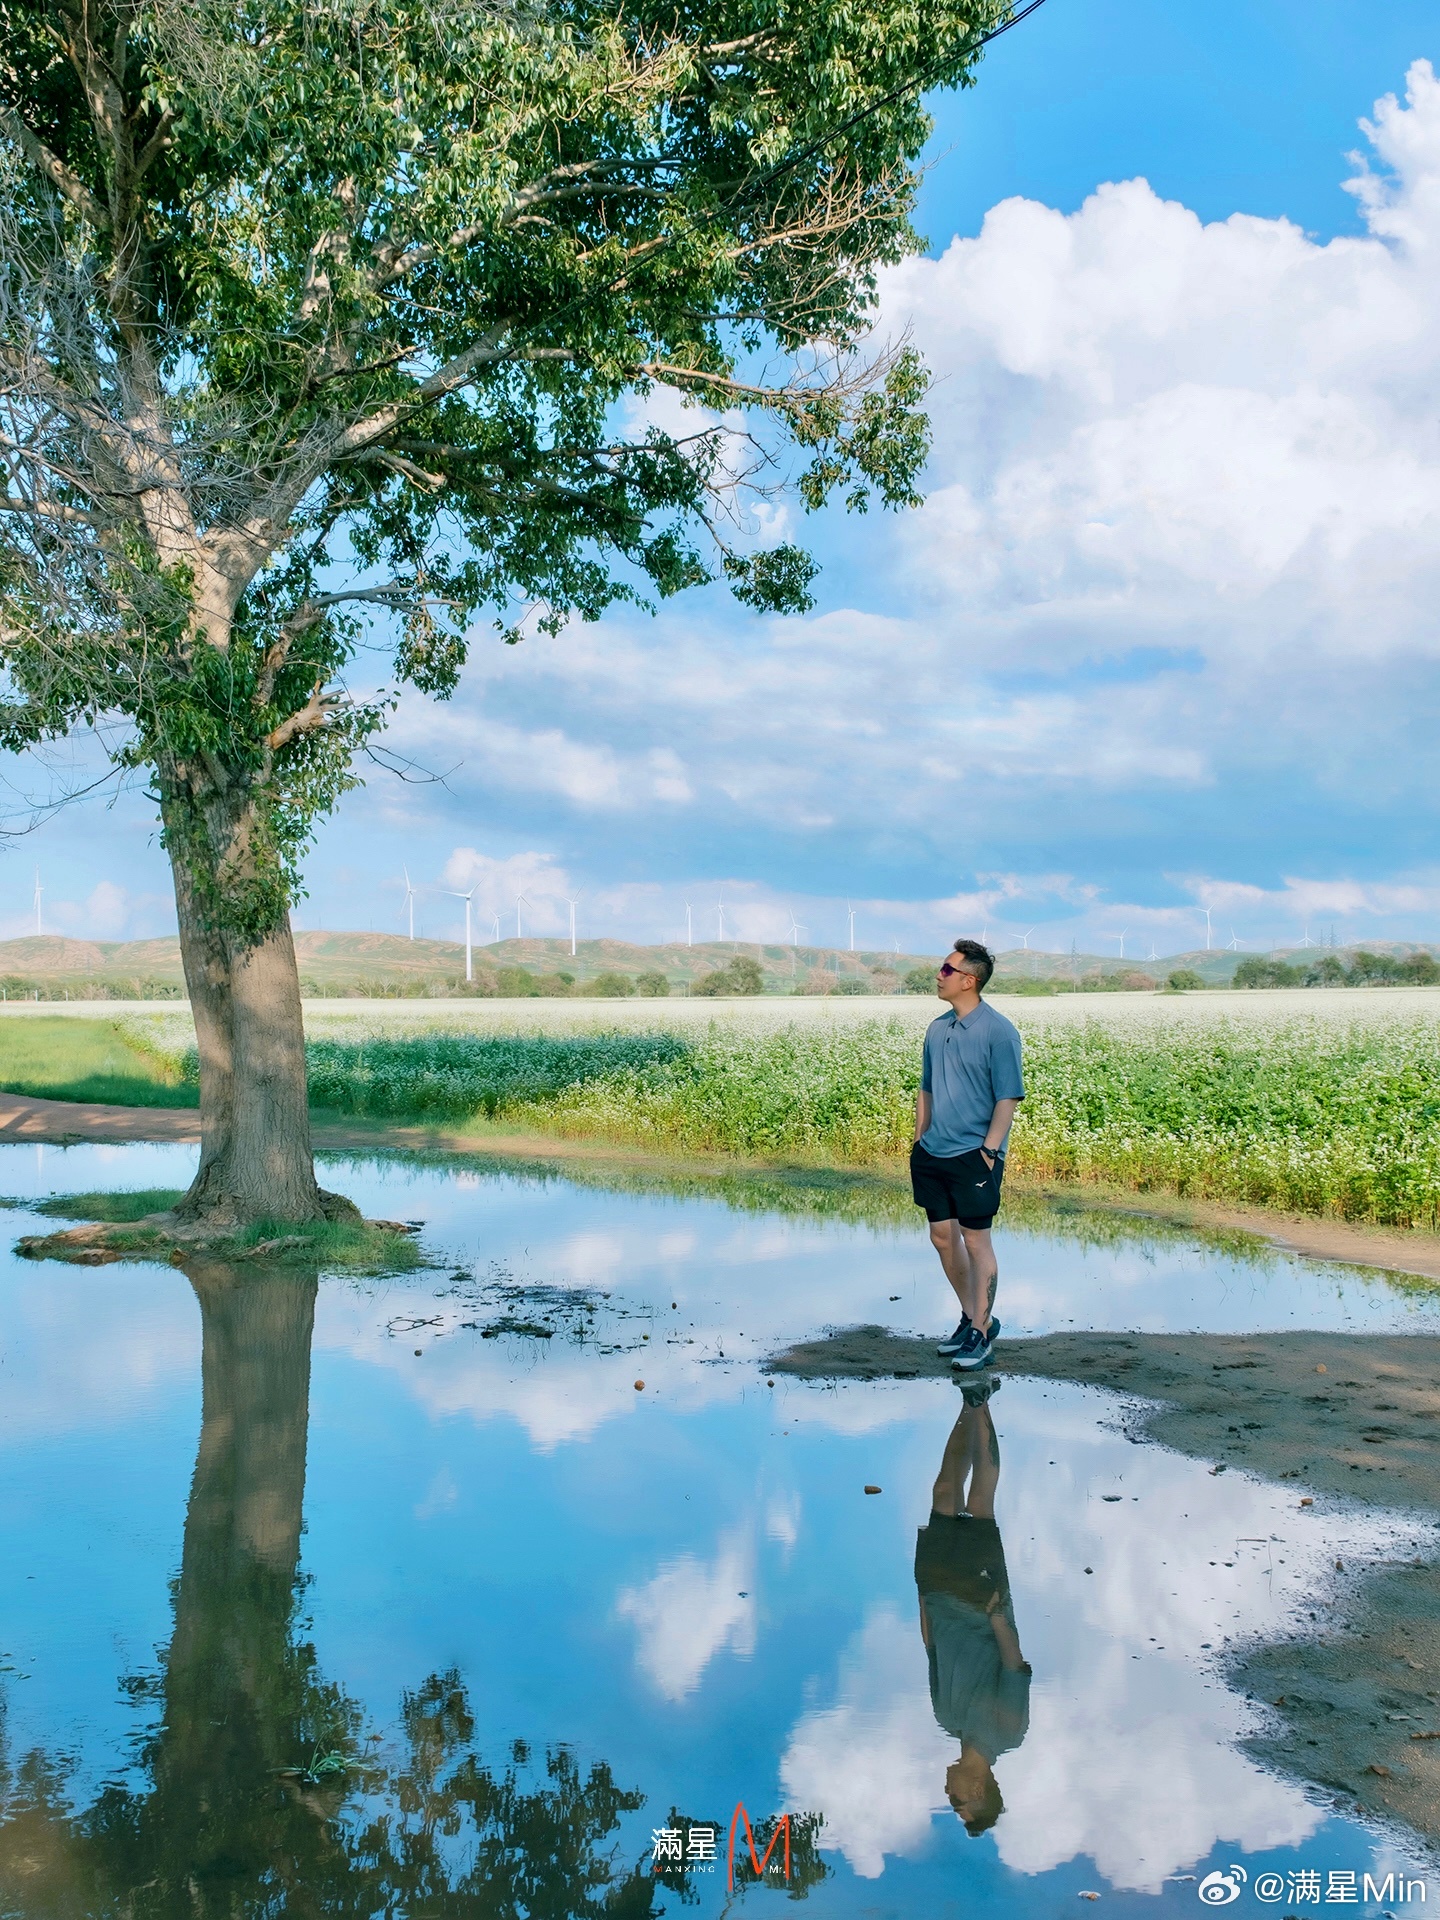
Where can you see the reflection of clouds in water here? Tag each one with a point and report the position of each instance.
(591, 1258)
(1131, 1757)
(783, 1277)
(782, 1521)
(1184, 1555)
(691, 1611)
(874, 1764)
(556, 1392)
(441, 1495)
(82, 1351)
(1131, 1763)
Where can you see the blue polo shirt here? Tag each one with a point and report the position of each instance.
(969, 1065)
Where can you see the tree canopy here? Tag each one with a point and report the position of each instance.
(313, 311)
(309, 301)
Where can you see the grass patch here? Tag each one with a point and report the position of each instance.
(71, 1059)
(365, 1247)
(121, 1208)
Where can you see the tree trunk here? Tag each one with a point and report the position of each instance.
(271, 1165)
(256, 1158)
(207, 982)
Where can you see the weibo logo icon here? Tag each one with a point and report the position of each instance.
(1219, 1889)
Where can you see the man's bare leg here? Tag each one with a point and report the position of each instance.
(945, 1237)
(983, 1272)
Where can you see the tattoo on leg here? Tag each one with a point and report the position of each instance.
(994, 1283)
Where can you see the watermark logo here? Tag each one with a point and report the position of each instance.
(1308, 1886)
(684, 1847)
(759, 1862)
(1218, 1889)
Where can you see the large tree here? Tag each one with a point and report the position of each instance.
(322, 319)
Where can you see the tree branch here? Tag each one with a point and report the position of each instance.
(55, 510)
(156, 144)
(54, 169)
(315, 712)
(305, 616)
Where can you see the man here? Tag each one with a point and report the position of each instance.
(979, 1679)
(970, 1086)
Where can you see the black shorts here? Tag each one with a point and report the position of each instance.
(961, 1554)
(956, 1187)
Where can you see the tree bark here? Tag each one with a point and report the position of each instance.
(256, 1157)
(271, 1164)
(207, 982)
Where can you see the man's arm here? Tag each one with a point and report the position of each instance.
(999, 1126)
(1007, 1640)
(922, 1112)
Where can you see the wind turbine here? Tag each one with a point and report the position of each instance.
(1233, 943)
(795, 932)
(573, 904)
(1025, 939)
(466, 897)
(497, 929)
(409, 900)
(1206, 912)
(851, 911)
(1152, 954)
(39, 926)
(720, 911)
(1305, 940)
(520, 901)
(1121, 938)
(689, 929)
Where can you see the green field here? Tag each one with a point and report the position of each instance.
(1319, 1115)
(60, 1058)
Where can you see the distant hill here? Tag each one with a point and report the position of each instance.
(389, 964)
(52, 967)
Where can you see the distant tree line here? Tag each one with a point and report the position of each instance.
(1329, 970)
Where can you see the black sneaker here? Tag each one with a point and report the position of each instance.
(975, 1349)
(957, 1338)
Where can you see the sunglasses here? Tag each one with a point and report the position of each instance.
(946, 970)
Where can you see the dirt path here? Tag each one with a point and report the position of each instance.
(1353, 1417)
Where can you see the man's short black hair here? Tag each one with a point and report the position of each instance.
(978, 957)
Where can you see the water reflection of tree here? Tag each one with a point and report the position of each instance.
(216, 1828)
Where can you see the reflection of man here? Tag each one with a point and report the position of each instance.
(979, 1681)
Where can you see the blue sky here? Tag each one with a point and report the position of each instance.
(1161, 636)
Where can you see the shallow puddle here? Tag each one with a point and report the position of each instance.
(423, 1609)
